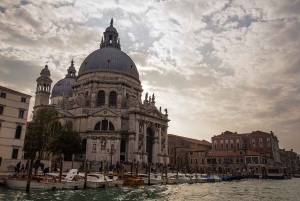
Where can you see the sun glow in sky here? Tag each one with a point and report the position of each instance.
(216, 65)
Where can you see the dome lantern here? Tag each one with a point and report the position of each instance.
(71, 70)
(110, 37)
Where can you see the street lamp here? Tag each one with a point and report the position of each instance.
(111, 152)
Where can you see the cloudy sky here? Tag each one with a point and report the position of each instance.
(216, 65)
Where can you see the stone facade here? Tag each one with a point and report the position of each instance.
(103, 103)
(265, 144)
(13, 120)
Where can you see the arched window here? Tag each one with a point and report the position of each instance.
(101, 98)
(111, 127)
(18, 132)
(97, 127)
(112, 99)
(104, 126)
(56, 126)
(69, 125)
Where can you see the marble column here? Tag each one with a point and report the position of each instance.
(88, 147)
(159, 140)
(145, 136)
(166, 144)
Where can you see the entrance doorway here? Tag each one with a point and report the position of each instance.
(149, 144)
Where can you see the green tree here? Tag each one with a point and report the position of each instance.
(42, 130)
(67, 142)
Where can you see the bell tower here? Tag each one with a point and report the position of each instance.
(43, 88)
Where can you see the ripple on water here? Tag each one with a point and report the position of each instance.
(246, 190)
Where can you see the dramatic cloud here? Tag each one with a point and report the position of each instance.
(216, 65)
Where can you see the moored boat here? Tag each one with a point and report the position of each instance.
(133, 181)
(96, 181)
(172, 179)
(37, 183)
(71, 181)
(155, 179)
(116, 180)
(296, 176)
(182, 178)
(275, 173)
(208, 178)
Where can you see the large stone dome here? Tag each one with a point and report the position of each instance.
(63, 86)
(109, 59)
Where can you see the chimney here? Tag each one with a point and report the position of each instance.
(292, 150)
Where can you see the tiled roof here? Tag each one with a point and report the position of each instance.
(204, 142)
(13, 91)
(252, 153)
(197, 149)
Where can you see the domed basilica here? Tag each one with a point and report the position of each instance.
(103, 103)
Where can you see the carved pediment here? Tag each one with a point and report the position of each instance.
(104, 112)
(154, 112)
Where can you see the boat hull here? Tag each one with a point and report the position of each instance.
(116, 183)
(133, 182)
(73, 185)
(34, 185)
(275, 176)
(94, 185)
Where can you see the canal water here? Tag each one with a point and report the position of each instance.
(244, 190)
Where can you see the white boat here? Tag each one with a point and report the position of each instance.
(21, 183)
(155, 179)
(275, 173)
(114, 180)
(96, 181)
(172, 179)
(217, 178)
(182, 178)
(71, 181)
(200, 179)
(160, 179)
(193, 179)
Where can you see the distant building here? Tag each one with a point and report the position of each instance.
(232, 160)
(265, 144)
(184, 151)
(292, 161)
(13, 120)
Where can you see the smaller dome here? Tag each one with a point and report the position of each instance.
(45, 71)
(111, 28)
(63, 86)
